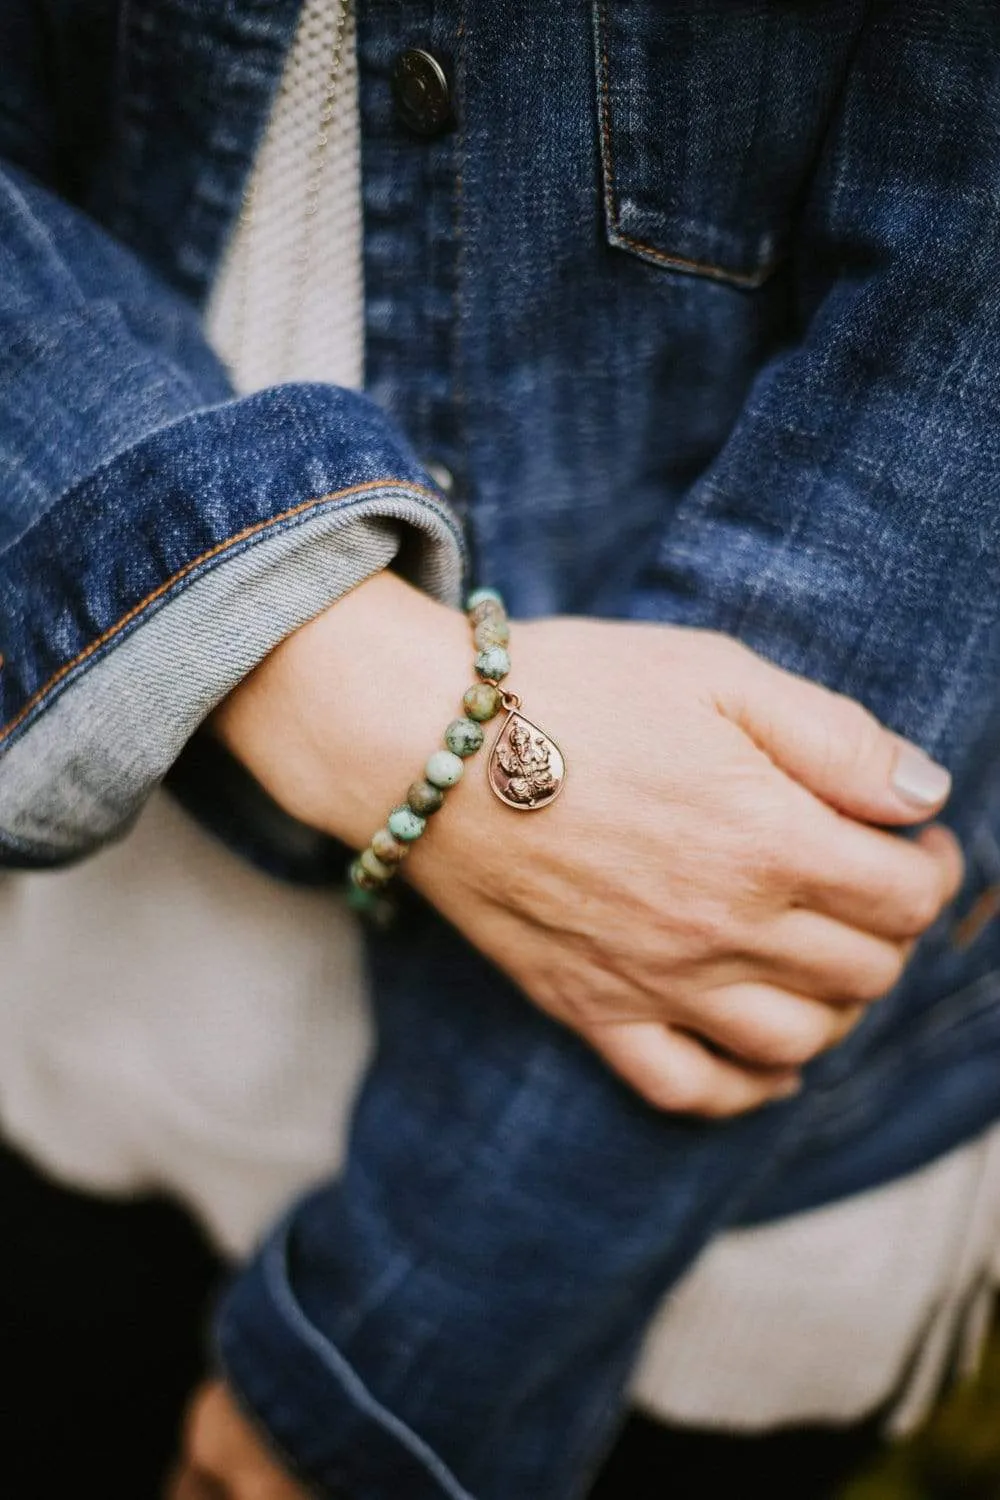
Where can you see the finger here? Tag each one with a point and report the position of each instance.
(877, 881)
(674, 1072)
(810, 954)
(833, 746)
(943, 847)
(770, 1028)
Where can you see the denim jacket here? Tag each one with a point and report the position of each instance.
(698, 302)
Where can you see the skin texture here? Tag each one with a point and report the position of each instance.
(706, 876)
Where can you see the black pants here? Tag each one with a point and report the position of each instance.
(103, 1312)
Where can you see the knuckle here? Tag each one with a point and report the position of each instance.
(724, 1109)
(874, 978)
(773, 850)
(923, 908)
(854, 737)
(746, 1093)
(779, 1052)
(772, 860)
(859, 731)
(793, 1045)
(711, 927)
(679, 1093)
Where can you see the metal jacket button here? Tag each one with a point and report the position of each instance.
(421, 93)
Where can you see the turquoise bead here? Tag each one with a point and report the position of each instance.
(491, 632)
(360, 878)
(373, 866)
(362, 897)
(443, 769)
(463, 736)
(481, 701)
(377, 910)
(479, 596)
(493, 663)
(389, 850)
(359, 898)
(487, 609)
(403, 823)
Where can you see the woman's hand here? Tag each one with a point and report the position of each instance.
(687, 887)
(704, 903)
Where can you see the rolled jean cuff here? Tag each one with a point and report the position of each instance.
(310, 1402)
(148, 593)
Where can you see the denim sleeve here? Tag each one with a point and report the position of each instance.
(158, 536)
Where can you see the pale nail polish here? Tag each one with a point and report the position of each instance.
(918, 779)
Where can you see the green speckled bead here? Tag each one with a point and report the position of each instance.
(480, 596)
(424, 799)
(389, 850)
(405, 824)
(373, 866)
(377, 909)
(443, 769)
(361, 879)
(492, 632)
(359, 899)
(487, 609)
(493, 663)
(463, 736)
(482, 701)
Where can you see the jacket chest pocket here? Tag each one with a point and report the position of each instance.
(712, 116)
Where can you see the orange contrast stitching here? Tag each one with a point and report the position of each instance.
(704, 267)
(164, 588)
(608, 153)
(984, 910)
(663, 257)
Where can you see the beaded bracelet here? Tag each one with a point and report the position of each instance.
(526, 769)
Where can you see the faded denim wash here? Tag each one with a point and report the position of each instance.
(699, 303)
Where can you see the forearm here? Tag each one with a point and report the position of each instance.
(337, 721)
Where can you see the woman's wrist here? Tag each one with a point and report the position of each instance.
(338, 720)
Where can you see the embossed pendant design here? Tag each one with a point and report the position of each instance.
(526, 768)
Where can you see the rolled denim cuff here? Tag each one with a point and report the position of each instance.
(314, 1408)
(141, 598)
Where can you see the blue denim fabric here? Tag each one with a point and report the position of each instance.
(698, 302)
(134, 485)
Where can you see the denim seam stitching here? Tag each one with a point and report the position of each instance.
(616, 235)
(354, 1387)
(273, 1261)
(218, 550)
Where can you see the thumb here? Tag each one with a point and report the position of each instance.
(835, 748)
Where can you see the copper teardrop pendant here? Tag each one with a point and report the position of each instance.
(526, 768)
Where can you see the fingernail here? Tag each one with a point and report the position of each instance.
(789, 1089)
(918, 779)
